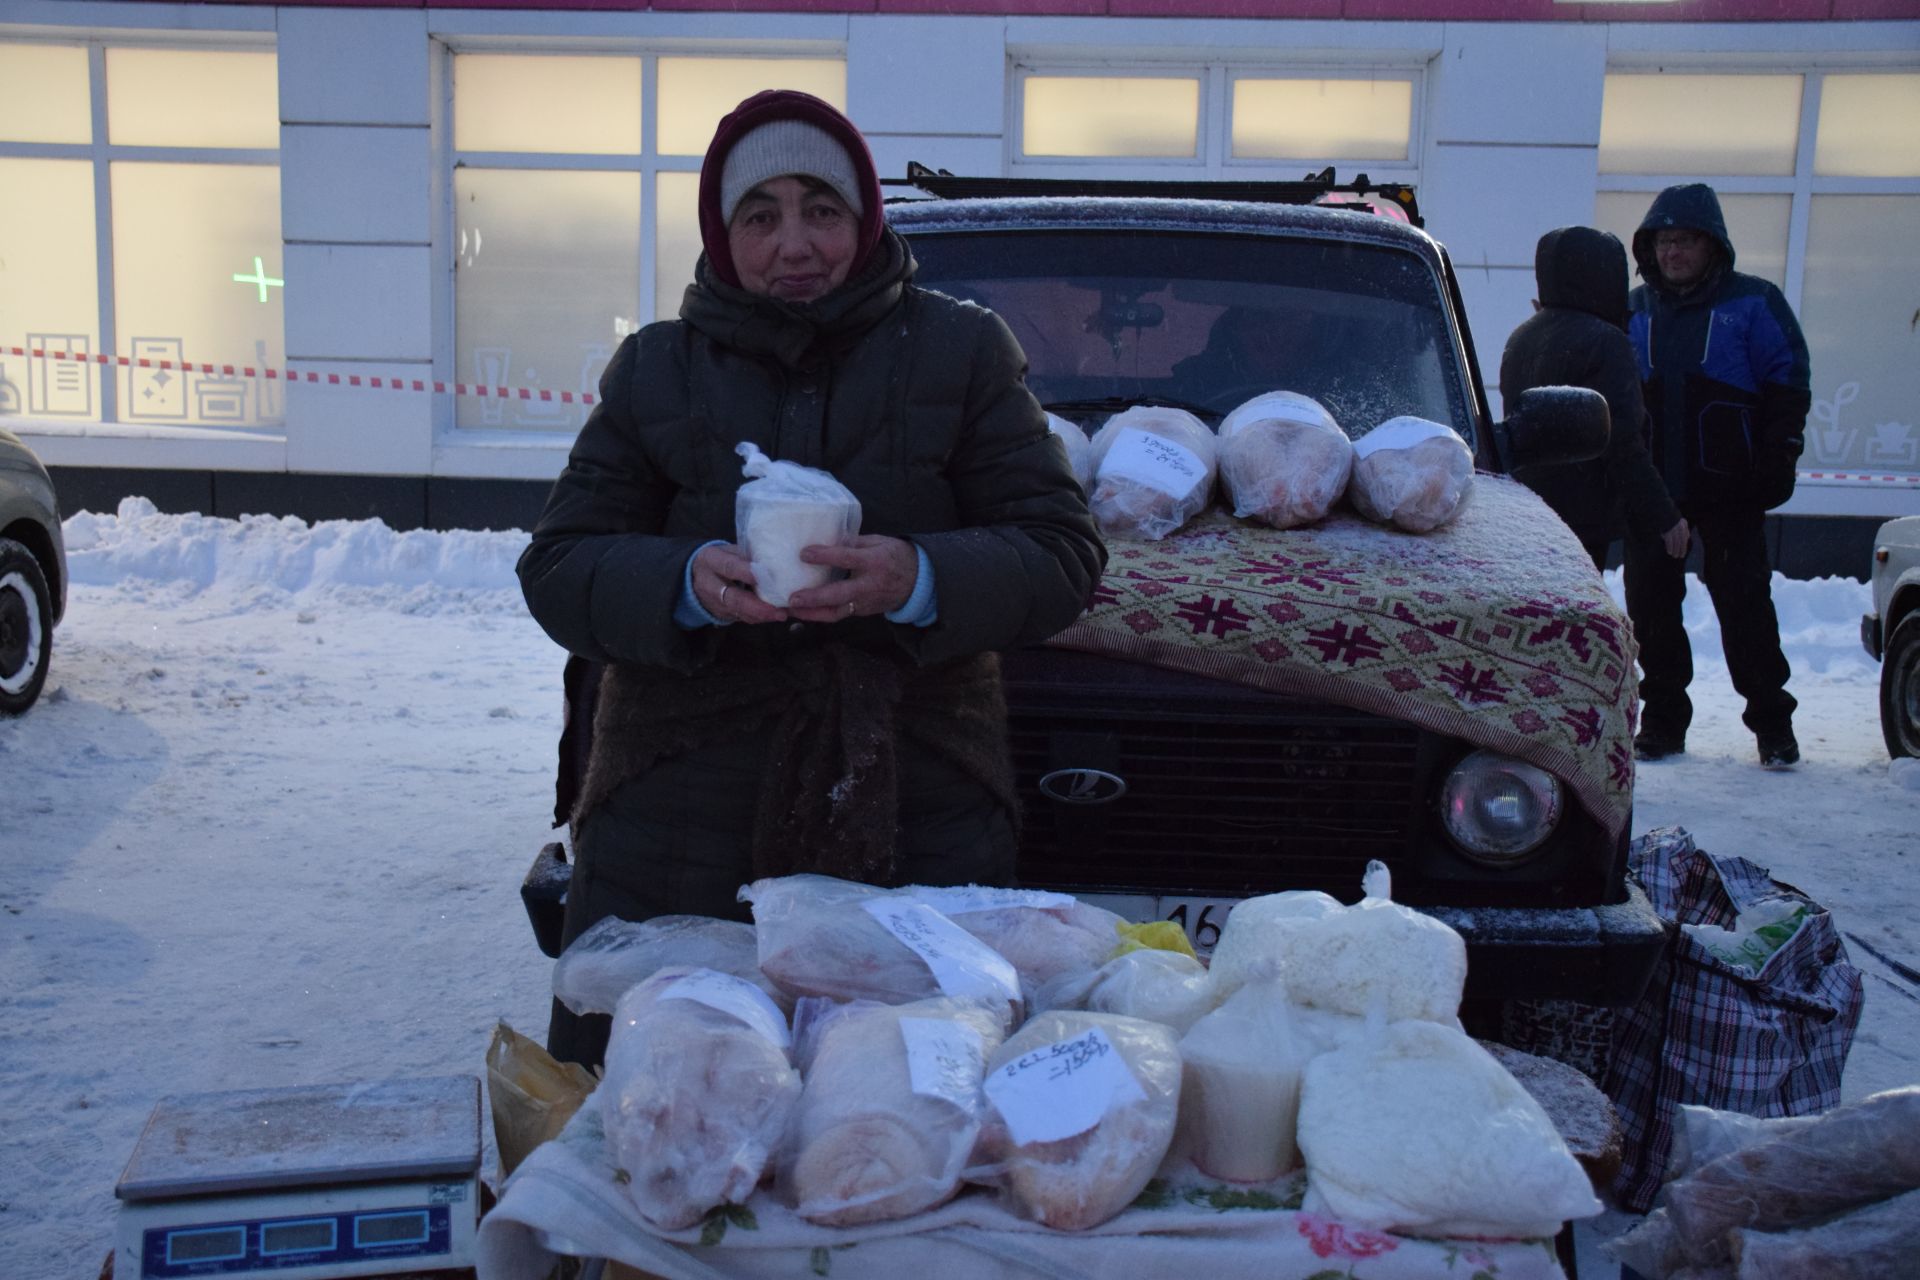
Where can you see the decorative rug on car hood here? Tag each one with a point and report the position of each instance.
(1494, 628)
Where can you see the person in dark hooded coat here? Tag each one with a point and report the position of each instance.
(1578, 338)
(859, 730)
(1725, 369)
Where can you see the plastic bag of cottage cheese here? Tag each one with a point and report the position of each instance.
(1415, 1128)
(782, 509)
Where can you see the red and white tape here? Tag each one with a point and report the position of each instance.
(314, 376)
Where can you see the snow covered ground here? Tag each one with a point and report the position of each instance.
(267, 827)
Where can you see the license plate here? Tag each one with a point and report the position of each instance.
(1200, 917)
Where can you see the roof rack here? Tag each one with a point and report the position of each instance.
(1317, 188)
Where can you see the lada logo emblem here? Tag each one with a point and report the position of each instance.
(1083, 786)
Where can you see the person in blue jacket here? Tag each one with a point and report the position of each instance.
(1725, 370)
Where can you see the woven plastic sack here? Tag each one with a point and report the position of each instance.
(1765, 1037)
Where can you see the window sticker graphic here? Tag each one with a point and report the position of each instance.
(56, 386)
(1893, 444)
(539, 413)
(490, 368)
(222, 400)
(156, 393)
(10, 399)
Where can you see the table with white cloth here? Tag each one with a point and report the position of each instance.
(567, 1198)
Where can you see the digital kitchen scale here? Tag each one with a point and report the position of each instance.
(369, 1178)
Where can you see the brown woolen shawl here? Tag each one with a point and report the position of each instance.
(834, 717)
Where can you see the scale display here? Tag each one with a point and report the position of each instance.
(361, 1179)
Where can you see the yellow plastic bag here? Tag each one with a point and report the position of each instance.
(532, 1095)
(1154, 935)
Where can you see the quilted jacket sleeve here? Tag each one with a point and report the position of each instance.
(1649, 507)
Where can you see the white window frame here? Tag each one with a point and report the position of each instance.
(1802, 185)
(648, 163)
(102, 154)
(1215, 160)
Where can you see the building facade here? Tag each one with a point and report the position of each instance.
(369, 258)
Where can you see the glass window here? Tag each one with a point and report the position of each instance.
(1868, 127)
(562, 105)
(556, 225)
(1110, 116)
(43, 94)
(1700, 124)
(196, 249)
(1757, 225)
(546, 283)
(192, 98)
(50, 300)
(1350, 119)
(696, 92)
(1863, 275)
(195, 243)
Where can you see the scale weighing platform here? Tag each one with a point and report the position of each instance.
(374, 1178)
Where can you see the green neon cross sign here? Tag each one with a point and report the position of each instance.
(259, 277)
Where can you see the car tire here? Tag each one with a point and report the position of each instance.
(26, 628)
(1900, 689)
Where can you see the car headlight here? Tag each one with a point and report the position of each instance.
(1498, 810)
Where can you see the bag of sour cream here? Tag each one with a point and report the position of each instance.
(782, 508)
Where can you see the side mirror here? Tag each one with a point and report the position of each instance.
(1551, 426)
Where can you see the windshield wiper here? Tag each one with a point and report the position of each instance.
(1113, 404)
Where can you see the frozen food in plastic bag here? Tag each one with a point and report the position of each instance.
(1702, 1135)
(1081, 1110)
(1415, 1128)
(1168, 987)
(1338, 958)
(613, 954)
(782, 509)
(1241, 1067)
(1153, 471)
(1878, 1240)
(1042, 934)
(820, 936)
(891, 1107)
(1283, 459)
(698, 1092)
(1079, 449)
(1412, 473)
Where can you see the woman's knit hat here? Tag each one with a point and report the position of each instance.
(778, 132)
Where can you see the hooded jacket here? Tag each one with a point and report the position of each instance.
(1724, 365)
(1578, 338)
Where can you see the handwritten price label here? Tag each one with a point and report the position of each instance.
(962, 964)
(1062, 1089)
(945, 1059)
(1154, 461)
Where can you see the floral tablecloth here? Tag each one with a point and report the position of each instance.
(1494, 628)
(567, 1198)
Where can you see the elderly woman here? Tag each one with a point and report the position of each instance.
(859, 730)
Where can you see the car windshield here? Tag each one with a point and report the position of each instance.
(1207, 321)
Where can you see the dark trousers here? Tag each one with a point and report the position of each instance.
(1739, 580)
(678, 841)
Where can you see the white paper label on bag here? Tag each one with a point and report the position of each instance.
(735, 997)
(962, 964)
(959, 900)
(945, 1059)
(1062, 1089)
(1153, 461)
(1400, 433)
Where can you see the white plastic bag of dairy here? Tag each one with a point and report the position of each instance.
(1081, 1110)
(1253, 939)
(1079, 449)
(820, 936)
(1417, 1129)
(600, 965)
(1240, 1085)
(1283, 459)
(891, 1108)
(782, 509)
(1377, 949)
(1412, 473)
(1168, 987)
(1042, 934)
(1153, 471)
(701, 1089)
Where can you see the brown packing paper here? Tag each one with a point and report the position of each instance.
(532, 1095)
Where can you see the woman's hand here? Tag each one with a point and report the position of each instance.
(881, 573)
(723, 583)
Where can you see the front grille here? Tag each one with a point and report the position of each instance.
(1230, 791)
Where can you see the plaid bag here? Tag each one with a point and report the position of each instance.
(1762, 1028)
